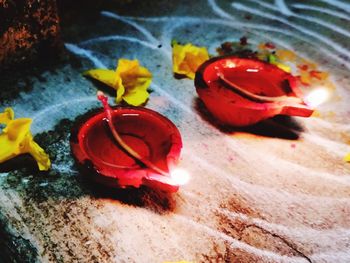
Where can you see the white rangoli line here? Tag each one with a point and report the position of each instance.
(85, 53)
(301, 29)
(343, 256)
(234, 243)
(274, 226)
(141, 29)
(118, 37)
(322, 10)
(46, 110)
(339, 4)
(336, 148)
(293, 233)
(317, 21)
(249, 188)
(218, 10)
(283, 8)
(332, 125)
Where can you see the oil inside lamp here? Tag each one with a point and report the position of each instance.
(121, 142)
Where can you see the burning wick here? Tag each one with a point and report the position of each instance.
(178, 175)
(317, 97)
(255, 97)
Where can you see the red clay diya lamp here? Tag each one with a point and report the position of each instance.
(242, 91)
(129, 147)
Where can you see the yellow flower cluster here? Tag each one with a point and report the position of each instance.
(130, 81)
(16, 139)
(187, 58)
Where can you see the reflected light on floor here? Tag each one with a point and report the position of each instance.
(317, 97)
(180, 176)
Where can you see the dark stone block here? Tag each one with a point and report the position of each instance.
(29, 32)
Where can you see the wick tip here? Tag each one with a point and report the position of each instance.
(100, 93)
(101, 96)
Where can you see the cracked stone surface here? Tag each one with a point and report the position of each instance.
(275, 192)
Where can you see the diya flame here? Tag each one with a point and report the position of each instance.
(317, 96)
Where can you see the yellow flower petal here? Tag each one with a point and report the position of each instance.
(39, 155)
(285, 55)
(133, 75)
(106, 76)
(284, 67)
(120, 90)
(16, 139)
(347, 158)
(187, 58)
(135, 80)
(138, 97)
(305, 78)
(129, 79)
(17, 130)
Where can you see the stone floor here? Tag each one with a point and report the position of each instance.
(255, 195)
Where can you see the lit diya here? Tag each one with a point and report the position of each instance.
(242, 91)
(129, 146)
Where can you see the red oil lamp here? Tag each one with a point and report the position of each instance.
(242, 91)
(128, 146)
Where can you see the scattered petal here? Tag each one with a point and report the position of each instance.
(262, 46)
(320, 75)
(106, 76)
(130, 80)
(187, 58)
(270, 45)
(17, 139)
(305, 78)
(134, 82)
(284, 67)
(285, 55)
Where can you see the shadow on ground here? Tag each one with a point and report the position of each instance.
(284, 127)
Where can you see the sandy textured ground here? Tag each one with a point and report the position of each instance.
(255, 195)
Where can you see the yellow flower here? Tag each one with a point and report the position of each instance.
(130, 80)
(347, 158)
(285, 55)
(187, 59)
(16, 139)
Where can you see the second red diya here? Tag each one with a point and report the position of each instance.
(242, 91)
(147, 132)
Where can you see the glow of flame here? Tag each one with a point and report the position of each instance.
(317, 97)
(230, 64)
(180, 176)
